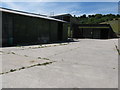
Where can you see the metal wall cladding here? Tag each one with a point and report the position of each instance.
(7, 29)
(65, 31)
(87, 33)
(91, 33)
(19, 29)
(53, 31)
(97, 31)
(28, 29)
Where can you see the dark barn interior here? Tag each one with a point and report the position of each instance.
(93, 31)
(25, 28)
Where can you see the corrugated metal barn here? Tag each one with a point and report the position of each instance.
(93, 31)
(70, 19)
(28, 28)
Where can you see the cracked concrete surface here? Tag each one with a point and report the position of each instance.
(87, 63)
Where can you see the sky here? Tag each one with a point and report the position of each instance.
(55, 8)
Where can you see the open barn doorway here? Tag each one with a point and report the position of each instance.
(104, 33)
(60, 31)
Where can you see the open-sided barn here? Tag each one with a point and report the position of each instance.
(22, 27)
(93, 31)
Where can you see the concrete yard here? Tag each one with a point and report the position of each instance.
(86, 63)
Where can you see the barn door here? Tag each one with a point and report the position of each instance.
(60, 31)
(96, 33)
(87, 33)
(104, 33)
(7, 27)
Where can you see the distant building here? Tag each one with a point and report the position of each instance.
(66, 17)
(27, 28)
(70, 19)
(93, 31)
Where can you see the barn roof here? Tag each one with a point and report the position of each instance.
(29, 14)
(65, 14)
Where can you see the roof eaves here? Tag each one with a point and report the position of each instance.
(29, 14)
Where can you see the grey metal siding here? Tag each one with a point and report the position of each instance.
(65, 32)
(53, 31)
(7, 29)
(20, 29)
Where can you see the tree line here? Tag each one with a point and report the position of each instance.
(96, 19)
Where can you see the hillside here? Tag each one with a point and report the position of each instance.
(113, 20)
(115, 24)
(96, 19)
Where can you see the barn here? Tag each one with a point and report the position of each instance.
(28, 28)
(93, 31)
(69, 18)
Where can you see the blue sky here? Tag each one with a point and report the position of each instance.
(74, 8)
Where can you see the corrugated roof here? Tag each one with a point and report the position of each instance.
(29, 14)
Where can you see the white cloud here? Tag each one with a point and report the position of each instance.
(27, 7)
(12, 5)
(59, 8)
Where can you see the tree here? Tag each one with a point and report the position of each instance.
(83, 16)
(98, 16)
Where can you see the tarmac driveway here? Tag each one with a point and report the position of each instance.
(86, 63)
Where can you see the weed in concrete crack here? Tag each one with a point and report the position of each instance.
(25, 55)
(63, 44)
(117, 49)
(32, 61)
(45, 58)
(5, 72)
(38, 64)
(12, 52)
(39, 58)
(34, 65)
(46, 63)
(1, 51)
(31, 66)
(42, 47)
(12, 70)
(1, 73)
(60, 44)
(8, 53)
(21, 68)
